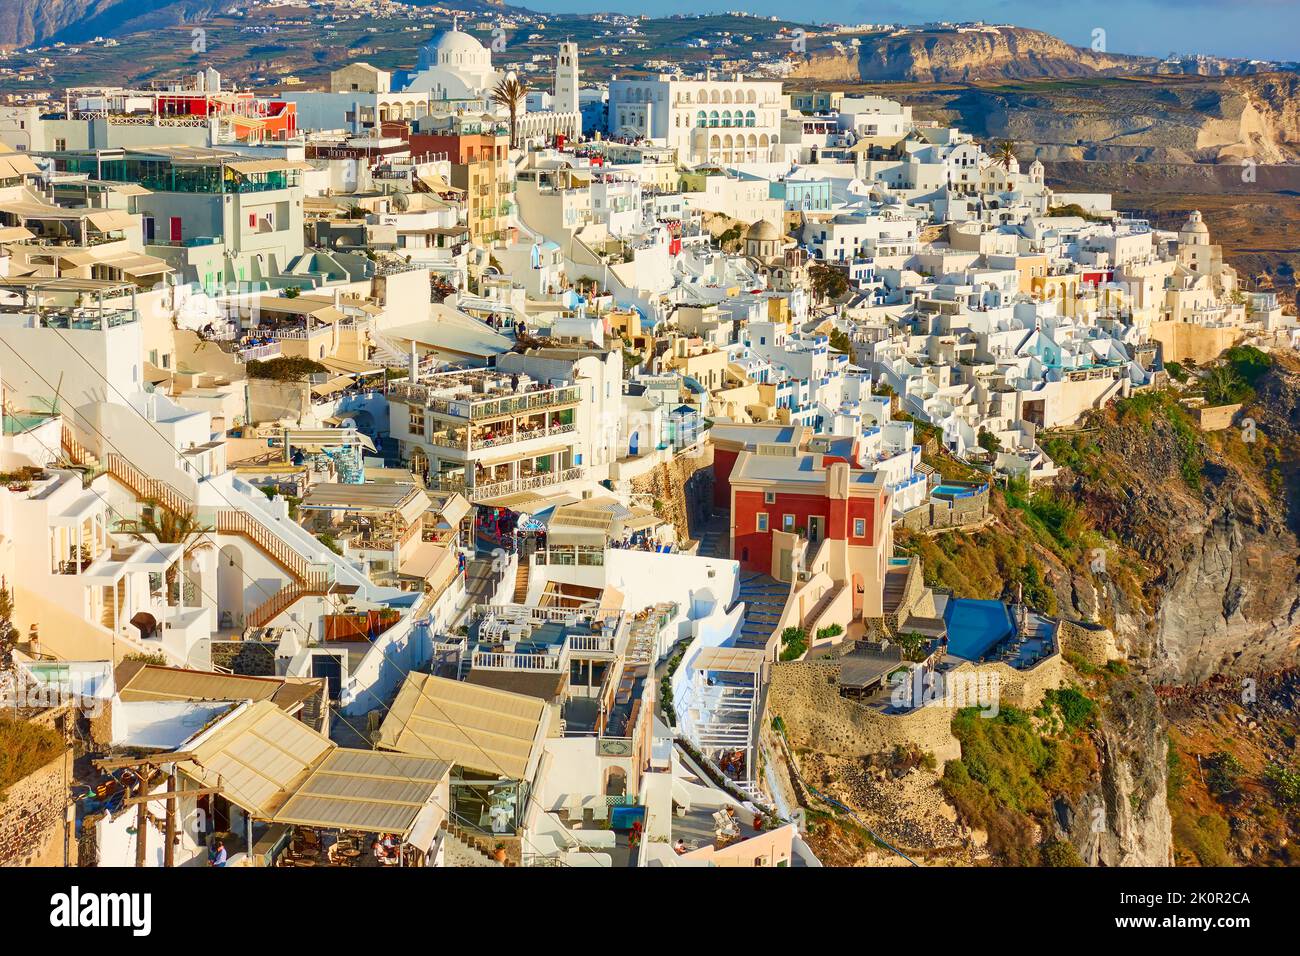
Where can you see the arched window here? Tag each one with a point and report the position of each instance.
(726, 117)
(713, 118)
(750, 118)
(701, 119)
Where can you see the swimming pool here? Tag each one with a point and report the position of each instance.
(975, 626)
(957, 491)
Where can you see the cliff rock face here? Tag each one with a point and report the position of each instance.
(24, 22)
(1223, 593)
(1218, 119)
(948, 56)
(1123, 820)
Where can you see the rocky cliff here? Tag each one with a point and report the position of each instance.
(1208, 522)
(24, 22)
(1123, 818)
(953, 55)
(1135, 118)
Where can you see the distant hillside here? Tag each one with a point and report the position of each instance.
(26, 22)
(955, 56)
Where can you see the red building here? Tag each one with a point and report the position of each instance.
(779, 499)
(731, 438)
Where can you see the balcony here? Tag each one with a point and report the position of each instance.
(444, 400)
(482, 438)
(497, 489)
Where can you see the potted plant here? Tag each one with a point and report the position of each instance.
(499, 854)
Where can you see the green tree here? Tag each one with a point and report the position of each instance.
(827, 282)
(510, 93)
(1005, 154)
(167, 527)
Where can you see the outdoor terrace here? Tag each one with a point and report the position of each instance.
(481, 394)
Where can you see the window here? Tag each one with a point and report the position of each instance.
(762, 521)
(769, 497)
(859, 527)
(787, 522)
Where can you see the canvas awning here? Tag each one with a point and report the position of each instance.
(247, 166)
(337, 384)
(425, 560)
(481, 728)
(108, 219)
(14, 165)
(366, 790)
(742, 659)
(136, 264)
(14, 234)
(351, 366)
(576, 534)
(258, 756)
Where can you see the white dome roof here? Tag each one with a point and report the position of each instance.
(445, 45)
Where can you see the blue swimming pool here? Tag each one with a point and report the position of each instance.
(957, 491)
(975, 626)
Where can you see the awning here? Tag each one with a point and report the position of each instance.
(246, 166)
(153, 374)
(257, 756)
(424, 560)
(136, 264)
(454, 510)
(14, 234)
(351, 366)
(639, 522)
(480, 728)
(365, 790)
(78, 257)
(337, 384)
(13, 165)
(108, 219)
(576, 534)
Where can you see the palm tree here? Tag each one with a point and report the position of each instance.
(165, 526)
(511, 92)
(1005, 154)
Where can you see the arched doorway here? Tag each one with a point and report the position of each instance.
(230, 587)
(615, 782)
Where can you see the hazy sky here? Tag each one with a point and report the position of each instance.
(1266, 29)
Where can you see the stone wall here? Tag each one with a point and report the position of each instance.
(1213, 418)
(684, 486)
(1094, 643)
(937, 513)
(32, 818)
(249, 658)
(805, 695)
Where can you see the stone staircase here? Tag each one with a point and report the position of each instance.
(818, 609)
(521, 580)
(460, 848)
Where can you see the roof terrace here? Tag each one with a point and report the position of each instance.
(482, 394)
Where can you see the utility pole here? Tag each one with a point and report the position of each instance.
(169, 848)
(142, 817)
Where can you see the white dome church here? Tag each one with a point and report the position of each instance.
(454, 66)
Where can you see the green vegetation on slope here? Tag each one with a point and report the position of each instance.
(1010, 771)
(24, 748)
